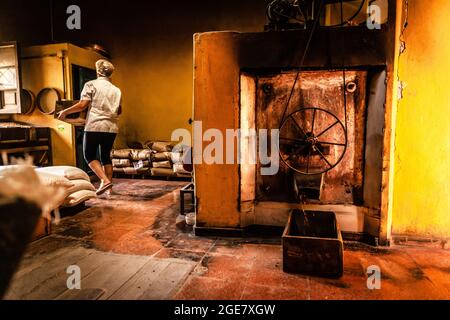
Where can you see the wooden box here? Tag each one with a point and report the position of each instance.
(312, 244)
(77, 118)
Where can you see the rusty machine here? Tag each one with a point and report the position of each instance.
(323, 78)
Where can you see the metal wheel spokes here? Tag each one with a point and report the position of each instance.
(312, 141)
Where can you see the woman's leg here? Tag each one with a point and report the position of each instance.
(91, 143)
(96, 166)
(106, 146)
(108, 171)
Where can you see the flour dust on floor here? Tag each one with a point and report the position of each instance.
(127, 246)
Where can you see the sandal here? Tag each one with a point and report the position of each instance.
(104, 189)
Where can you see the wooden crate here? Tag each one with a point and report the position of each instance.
(312, 244)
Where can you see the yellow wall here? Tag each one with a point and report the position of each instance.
(154, 62)
(157, 92)
(422, 144)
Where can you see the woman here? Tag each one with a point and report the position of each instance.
(101, 127)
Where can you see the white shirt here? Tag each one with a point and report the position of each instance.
(104, 107)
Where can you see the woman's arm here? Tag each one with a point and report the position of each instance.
(77, 107)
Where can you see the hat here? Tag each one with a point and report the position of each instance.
(104, 68)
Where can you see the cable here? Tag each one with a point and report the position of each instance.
(349, 19)
(286, 16)
(340, 24)
(302, 60)
(272, 10)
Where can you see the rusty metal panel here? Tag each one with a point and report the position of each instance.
(318, 89)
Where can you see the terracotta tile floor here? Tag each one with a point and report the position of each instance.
(139, 219)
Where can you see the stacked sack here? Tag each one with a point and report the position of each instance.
(131, 161)
(161, 155)
(178, 167)
(166, 161)
(76, 182)
(158, 159)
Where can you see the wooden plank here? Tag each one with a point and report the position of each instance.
(89, 294)
(109, 277)
(157, 280)
(56, 285)
(27, 282)
(137, 285)
(170, 279)
(42, 251)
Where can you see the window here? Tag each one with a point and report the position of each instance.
(9, 79)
